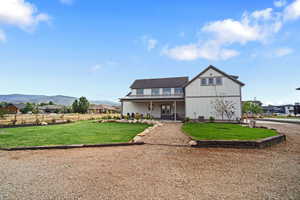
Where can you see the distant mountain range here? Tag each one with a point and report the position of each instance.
(58, 99)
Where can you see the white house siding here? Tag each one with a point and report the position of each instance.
(204, 106)
(142, 108)
(228, 87)
(199, 99)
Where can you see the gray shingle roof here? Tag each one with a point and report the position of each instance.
(174, 82)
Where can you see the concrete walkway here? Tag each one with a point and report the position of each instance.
(168, 134)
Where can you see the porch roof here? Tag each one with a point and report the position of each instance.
(148, 99)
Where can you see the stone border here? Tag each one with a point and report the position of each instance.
(245, 144)
(72, 146)
(31, 125)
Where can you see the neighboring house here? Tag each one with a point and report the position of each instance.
(289, 109)
(20, 106)
(10, 109)
(297, 109)
(178, 98)
(50, 108)
(271, 109)
(96, 109)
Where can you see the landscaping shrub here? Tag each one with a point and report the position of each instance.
(13, 121)
(37, 121)
(132, 116)
(117, 117)
(211, 119)
(137, 116)
(187, 119)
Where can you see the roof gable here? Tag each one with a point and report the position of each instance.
(173, 82)
(231, 77)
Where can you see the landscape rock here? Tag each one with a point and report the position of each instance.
(44, 123)
(192, 142)
(137, 139)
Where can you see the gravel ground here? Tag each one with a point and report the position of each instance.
(155, 171)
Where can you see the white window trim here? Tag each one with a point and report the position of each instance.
(214, 81)
(141, 90)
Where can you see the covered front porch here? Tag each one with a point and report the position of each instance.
(165, 109)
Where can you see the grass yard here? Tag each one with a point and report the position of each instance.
(82, 132)
(223, 131)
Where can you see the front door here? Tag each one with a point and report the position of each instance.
(166, 111)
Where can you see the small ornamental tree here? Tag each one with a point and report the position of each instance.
(224, 108)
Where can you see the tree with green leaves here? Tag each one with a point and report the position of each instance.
(252, 108)
(28, 108)
(81, 105)
(2, 113)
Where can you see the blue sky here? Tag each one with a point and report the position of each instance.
(97, 48)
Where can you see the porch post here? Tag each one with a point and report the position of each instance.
(175, 111)
(150, 109)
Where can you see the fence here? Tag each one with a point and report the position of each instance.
(16, 119)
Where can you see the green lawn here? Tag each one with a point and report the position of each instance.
(222, 131)
(82, 132)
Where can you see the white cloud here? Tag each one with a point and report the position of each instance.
(185, 52)
(257, 26)
(279, 3)
(66, 2)
(283, 51)
(2, 36)
(230, 31)
(292, 11)
(150, 42)
(96, 68)
(21, 13)
(209, 51)
(263, 14)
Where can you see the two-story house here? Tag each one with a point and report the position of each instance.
(176, 98)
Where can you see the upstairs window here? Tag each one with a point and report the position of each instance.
(210, 81)
(139, 91)
(178, 91)
(166, 91)
(219, 81)
(155, 91)
(203, 81)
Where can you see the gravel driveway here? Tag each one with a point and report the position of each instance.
(155, 171)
